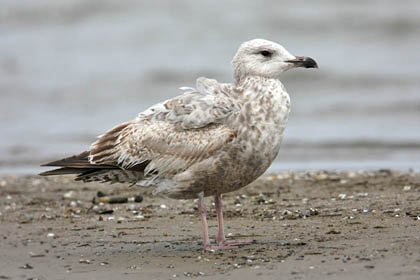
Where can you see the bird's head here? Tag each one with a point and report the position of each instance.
(264, 58)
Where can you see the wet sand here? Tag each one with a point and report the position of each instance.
(317, 225)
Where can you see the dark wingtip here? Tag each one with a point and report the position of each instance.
(76, 160)
(49, 172)
(66, 171)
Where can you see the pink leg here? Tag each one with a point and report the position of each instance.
(203, 215)
(221, 232)
(221, 239)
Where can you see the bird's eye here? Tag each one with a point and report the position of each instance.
(265, 53)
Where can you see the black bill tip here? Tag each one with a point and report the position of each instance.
(304, 61)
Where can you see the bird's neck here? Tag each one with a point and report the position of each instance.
(256, 79)
(258, 83)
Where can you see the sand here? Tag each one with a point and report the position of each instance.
(318, 225)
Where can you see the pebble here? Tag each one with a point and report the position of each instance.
(320, 176)
(26, 266)
(73, 203)
(85, 261)
(407, 188)
(362, 194)
(68, 194)
(369, 266)
(342, 196)
(33, 255)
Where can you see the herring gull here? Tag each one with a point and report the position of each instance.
(213, 139)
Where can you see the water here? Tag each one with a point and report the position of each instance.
(70, 70)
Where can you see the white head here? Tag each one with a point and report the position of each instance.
(264, 58)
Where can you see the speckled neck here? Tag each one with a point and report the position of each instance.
(254, 80)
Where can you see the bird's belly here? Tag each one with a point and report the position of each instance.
(246, 161)
(231, 170)
(260, 152)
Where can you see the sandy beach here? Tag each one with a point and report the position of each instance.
(318, 225)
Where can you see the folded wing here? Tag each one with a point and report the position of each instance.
(171, 136)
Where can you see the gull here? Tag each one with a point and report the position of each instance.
(212, 139)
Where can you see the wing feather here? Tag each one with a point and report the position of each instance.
(173, 135)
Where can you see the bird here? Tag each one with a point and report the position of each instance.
(210, 140)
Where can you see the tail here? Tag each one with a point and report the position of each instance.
(77, 164)
(103, 165)
(87, 172)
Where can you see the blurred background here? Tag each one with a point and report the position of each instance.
(69, 70)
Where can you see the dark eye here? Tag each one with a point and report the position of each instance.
(266, 53)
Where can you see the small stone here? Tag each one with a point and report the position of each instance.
(333, 231)
(27, 266)
(321, 176)
(407, 188)
(369, 266)
(68, 194)
(85, 261)
(73, 203)
(33, 255)
(362, 194)
(342, 196)
(100, 194)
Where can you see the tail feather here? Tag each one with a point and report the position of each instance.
(80, 166)
(77, 164)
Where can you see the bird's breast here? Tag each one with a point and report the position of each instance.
(261, 123)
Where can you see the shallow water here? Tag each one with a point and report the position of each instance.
(69, 71)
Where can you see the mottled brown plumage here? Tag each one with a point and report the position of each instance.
(213, 139)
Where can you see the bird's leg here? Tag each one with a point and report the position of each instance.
(203, 216)
(221, 232)
(221, 239)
